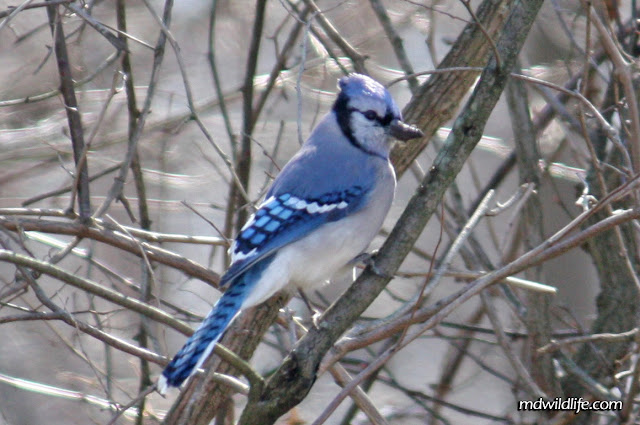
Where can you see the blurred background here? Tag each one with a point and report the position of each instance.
(55, 373)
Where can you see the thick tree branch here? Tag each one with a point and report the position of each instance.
(293, 380)
(116, 239)
(437, 100)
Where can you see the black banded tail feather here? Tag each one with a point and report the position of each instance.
(323, 208)
(200, 345)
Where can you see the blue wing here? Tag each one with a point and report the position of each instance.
(286, 218)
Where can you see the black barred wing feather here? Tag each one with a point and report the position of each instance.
(285, 218)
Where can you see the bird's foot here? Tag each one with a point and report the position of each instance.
(369, 260)
(315, 313)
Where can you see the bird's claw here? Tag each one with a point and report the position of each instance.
(369, 260)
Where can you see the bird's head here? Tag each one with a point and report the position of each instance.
(368, 115)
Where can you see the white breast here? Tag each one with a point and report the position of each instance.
(314, 259)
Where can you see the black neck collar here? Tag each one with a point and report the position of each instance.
(343, 116)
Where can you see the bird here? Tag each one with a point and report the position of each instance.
(318, 217)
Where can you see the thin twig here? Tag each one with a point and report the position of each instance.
(96, 289)
(243, 162)
(508, 349)
(496, 54)
(606, 337)
(122, 409)
(624, 73)
(557, 244)
(115, 239)
(156, 237)
(98, 26)
(301, 17)
(280, 64)
(303, 60)
(363, 401)
(84, 327)
(465, 232)
(116, 188)
(216, 77)
(29, 5)
(450, 303)
(633, 386)
(76, 84)
(72, 109)
(147, 279)
(13, 12)
(356, 58)
(591, 385)
(192, 106)
(83, 159)
(226, 241)
(396, 43)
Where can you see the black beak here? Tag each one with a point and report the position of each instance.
(403, 131)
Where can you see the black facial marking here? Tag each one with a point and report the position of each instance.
(341, 109)
(387, 119)
(373, 116)
(343, 115)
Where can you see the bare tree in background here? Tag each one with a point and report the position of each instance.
(136, 138)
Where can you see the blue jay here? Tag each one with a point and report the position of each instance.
(320, 214)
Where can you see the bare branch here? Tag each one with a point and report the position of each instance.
(73, 112)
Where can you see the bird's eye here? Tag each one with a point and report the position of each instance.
(370, 115)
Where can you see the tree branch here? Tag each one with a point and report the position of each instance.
(294, 378)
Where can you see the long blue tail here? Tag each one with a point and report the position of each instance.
(198, 347)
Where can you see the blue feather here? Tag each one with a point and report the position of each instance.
(200, 344)
(280, 221)
(343, 168)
